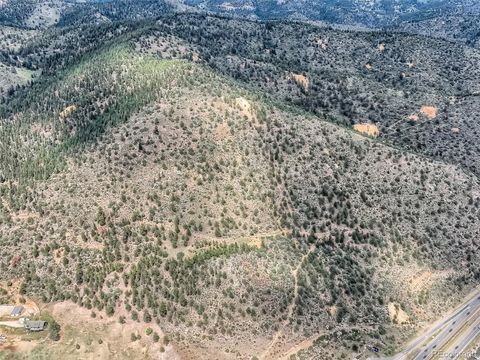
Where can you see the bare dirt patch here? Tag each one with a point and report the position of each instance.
(367, 129)
(413, 117)
(424, 280)
(301, 80)
(247, 109)
(304, 345)
(396, 314)
(5, 310)
(11, 323)
(421, 280)
(69, 110)
(223, 132)
(323, 43)
(419, 287)
(15, 342)
(431, 112)
(58, 255)
(244, 105)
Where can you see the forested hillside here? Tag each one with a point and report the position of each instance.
(355, 13)
(400, 85)
(225, 208)
(199, 187)
(397, 85)
(460, 28)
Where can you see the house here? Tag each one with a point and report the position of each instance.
(17, 311)
(35, 325)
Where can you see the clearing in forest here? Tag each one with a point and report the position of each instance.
(301, 80)
(430, 112)
(367, 129)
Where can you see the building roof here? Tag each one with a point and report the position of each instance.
(17, 310)
(35, 325)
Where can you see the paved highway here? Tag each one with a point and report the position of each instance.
(428, 345)
(459, 348)
(449, 331)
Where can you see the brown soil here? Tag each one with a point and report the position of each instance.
(397, 314)
(223, 132)
(304, 345)
(301, 80)
(367, 129)
(430, 112)
(42, 130)
(247, 110)
(79, 327)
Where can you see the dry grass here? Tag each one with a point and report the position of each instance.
(45, 14)
(396, 314)
(223, 132)
(13, 76)
(14, 38)
(79, 327)
(68, 111)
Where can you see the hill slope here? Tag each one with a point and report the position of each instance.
(40, 14)
(396, 85)
(399, 83)
(164, 195)
(461, 28)
(344, 13)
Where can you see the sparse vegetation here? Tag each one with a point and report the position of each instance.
(185, 187)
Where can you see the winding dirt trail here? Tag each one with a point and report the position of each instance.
(291, 306)
(305, 344)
